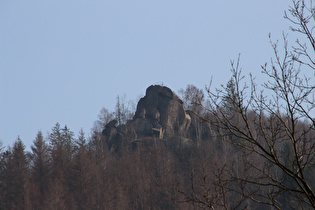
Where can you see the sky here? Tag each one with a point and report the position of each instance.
(63, 61)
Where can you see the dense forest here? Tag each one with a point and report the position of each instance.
(63, 171)
(189, 170)
(239, 146)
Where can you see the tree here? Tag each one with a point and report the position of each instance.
(82, 177)
(40, 170)
(193, 97)
(302, 16)
(3, 158)
(124, 110)
(272, 127)
(104, 117)
(275, 127)
(17, 178)
(61, 151)
(233, 97)
(68, 139)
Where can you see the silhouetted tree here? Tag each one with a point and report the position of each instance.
(124, 110)
(193, 98)
(40, 171)
(104, 117)
(3, 159)
(62, 151)
(267, 124)
(274, 129)
(17, 178)
(82, 174)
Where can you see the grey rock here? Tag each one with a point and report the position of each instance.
(160, 114)
(160, 106)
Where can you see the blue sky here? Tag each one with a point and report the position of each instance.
(62, 61)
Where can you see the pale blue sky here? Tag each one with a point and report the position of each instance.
(62, 61)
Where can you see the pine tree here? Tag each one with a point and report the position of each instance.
(17, 178)
(82, 178)
(62, 150)
(2, 175)
(40, 171)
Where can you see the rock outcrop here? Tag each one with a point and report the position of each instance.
(160, 114)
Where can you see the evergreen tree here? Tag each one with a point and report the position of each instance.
(2, 175)
(17, 178)
(233, 97)
(40, 171)
(62, 150)
(68, 141)
(82, 179)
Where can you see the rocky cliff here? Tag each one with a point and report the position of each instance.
(160, 115)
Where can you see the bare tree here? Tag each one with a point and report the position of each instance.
(271, 126)
(302, 17)
(104, 117)
(274, 126)
(124, 110)
(193, 97)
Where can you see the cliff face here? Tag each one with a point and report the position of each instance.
(160, 114)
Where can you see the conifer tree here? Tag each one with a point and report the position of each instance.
(2, 175)
(61, 149)
(17, 178)
(82, 179)
(40, 170)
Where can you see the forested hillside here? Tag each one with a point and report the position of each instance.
(114, 168)
(164, 157)
(238, 146)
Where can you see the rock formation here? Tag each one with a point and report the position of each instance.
(160, 114)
